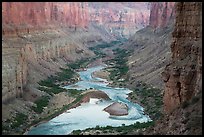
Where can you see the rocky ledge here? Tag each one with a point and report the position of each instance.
(117, 109)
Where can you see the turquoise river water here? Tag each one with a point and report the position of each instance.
(91, 114)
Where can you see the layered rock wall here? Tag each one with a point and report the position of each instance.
(151, 46)
(161, 13)
(26, 17)
(183, 76)
(38, 39)
(30, 58)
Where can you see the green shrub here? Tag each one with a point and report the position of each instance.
(41, 102)
(47, 83)
(120, 68)
(19, 120)
(97, 127)
(73, 92)
(52, 90)
(79, 64)
(76, 132)
(108, 127)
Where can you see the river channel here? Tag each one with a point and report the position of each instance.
(91, 114)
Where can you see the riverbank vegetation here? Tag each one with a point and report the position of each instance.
(79, 64)
(118, 73)
(148, 97)
(121, 130)
(58, 111)
(52, 86)
(118, 66)
(49, 85)
(16, 124)
(98, 49)
(40, 104)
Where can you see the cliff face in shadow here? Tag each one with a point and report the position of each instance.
(161, 13)
(183, 75)
(151, 46)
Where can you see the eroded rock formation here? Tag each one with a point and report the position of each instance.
(27, 17)
(183, 76)
(38, 39)
(161, 13)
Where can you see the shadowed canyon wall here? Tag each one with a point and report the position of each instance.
(151, 46)
(161, 13)
(183, 76)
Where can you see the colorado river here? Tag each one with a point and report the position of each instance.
(91, 114)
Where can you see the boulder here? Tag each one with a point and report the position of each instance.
(117, 109)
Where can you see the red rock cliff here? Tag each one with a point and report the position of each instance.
(161, 13)
(183, 76)
(35, 36)
(30, 16)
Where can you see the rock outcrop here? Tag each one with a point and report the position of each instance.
(161, 13)
(183, 76)
(117, 109)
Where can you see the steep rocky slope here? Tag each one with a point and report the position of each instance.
(151, 47)
(38, 39)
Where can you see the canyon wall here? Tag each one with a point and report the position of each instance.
(183, 76)
(38, 39)
(122, 19)
(151, 46)
(21, 17)
(161, 13)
